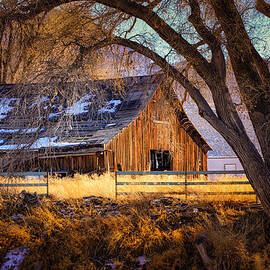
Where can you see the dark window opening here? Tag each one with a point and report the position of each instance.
(200, 161)
(160, 160)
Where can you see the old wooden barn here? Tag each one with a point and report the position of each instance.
(132, 124)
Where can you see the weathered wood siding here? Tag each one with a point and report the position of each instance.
(156, 128)
(80, 164)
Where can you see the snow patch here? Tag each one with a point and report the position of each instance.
(52, 115)
(51, 142)
(43, 142)
(5, 107)
(12, 146)
(79, 106)
(39, 101)
(62, 144)
(110, 125)
(110, 106)
(9, 130)
(14, 258)
(32, 130)
(40, 143)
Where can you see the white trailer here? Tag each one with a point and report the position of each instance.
(223, 163)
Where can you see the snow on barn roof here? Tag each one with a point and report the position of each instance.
(50, 115)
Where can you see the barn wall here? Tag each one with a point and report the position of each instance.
(157, 128)
(80, 164)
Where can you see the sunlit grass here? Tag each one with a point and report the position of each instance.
(104, 185)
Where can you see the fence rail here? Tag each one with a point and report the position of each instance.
(185, 183)
(24, 174)
(34, 174)
(177, 172)
(25, 185)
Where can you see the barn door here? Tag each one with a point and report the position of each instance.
(160, 160)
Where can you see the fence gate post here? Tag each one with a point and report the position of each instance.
(115, 178)
(47, 183)
(186, 184)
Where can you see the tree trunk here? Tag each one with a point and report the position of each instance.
(259, 178)
(256, 169)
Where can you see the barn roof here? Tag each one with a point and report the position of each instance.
(61, 115)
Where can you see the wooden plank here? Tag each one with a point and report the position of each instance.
(190, 194)
(178, 172)
(25, 185)
(222, 193)
(183, 183)
(24, 174)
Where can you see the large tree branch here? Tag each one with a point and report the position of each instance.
(160, 61)
(232, 23)
(221, 96)
(251, 71)
(167, 33)
(203, 31)
(175, 40)
(214, 44)
(32, 9)
(263, 7)
(230, 134)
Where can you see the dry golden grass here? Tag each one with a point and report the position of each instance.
(238, 235)
(68, 187)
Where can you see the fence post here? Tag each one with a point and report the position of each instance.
(186, 184)
(115, 178)
(47, 183)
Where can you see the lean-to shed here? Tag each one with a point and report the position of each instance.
(132, 124)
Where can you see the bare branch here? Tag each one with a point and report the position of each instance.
(131, 27)
(195, 19)
(214, 44)
(263, 7)
(153, 4)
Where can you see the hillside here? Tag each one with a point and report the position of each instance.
(214, 139)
